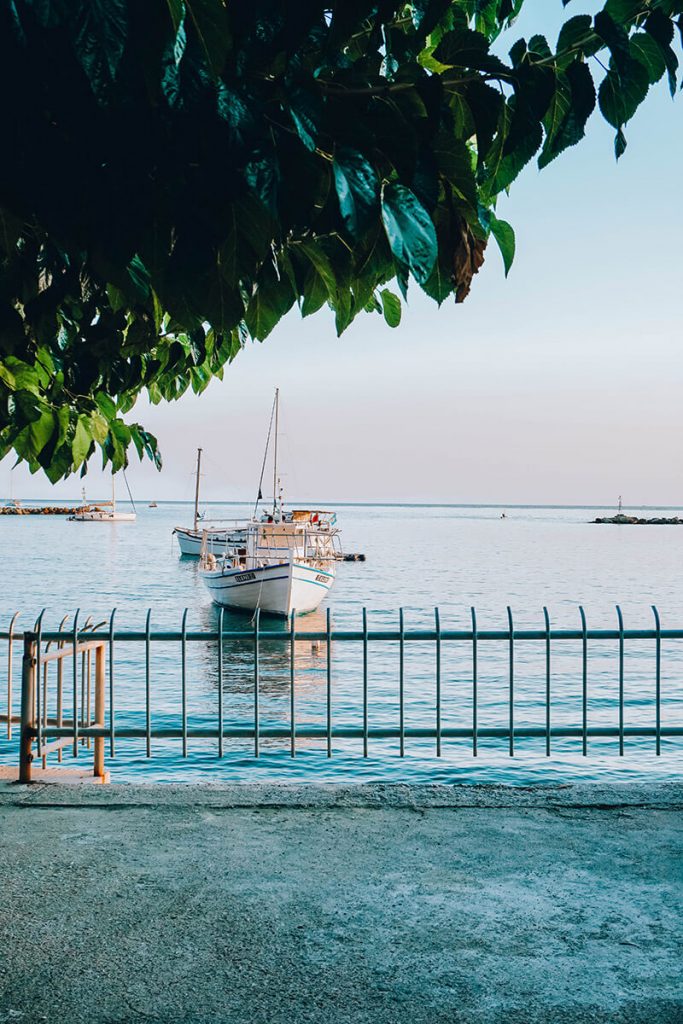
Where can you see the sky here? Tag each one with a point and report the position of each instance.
(559, 385)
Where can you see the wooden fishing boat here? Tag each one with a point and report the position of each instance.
(282, 562)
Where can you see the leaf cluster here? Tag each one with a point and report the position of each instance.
(179, 174)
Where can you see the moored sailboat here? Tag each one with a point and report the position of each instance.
(103, 511)
(217, 538)
(284, 563)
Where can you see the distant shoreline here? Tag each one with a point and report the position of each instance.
(73, 502)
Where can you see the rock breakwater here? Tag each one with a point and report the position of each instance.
(622, 520)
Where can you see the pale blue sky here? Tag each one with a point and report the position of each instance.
(561, 384)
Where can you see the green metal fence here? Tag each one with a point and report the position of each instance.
(45, 727)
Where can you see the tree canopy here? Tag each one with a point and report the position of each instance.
(178, 174)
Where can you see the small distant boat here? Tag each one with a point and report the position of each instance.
(283, 563)
(152, 504)
(103, 511)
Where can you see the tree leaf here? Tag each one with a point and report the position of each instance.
(573, 32)
(623, 11)
(81, 442)
(357, 188)
(621, 93)
(176, 9)
(410, 230)
(391, 307)
(464, 48)
(648, 52)
(571, 128)
(272, 298)
(454, 161)
(661, 29)
(615, 38)
(40, 431)
(306, 110)
(100, 40)
(505, 237)
(210, 21)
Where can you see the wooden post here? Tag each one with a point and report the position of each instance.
(28, 707)
(99, 771)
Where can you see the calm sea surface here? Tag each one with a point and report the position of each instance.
(417, 558)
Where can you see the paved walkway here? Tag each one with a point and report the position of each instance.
(367, 905)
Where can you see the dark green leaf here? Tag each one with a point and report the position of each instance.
(505, 237)
(571, 126)
(454, 161)
(315, 293)
(623, 11)
(621, 94)
(661, 30)
(574, 32)
(210, 21)
(410, 230)
(648, 52)
(82, 440)
(100, 40)
(357, 188)
(538, 48)
(305, 109)
(272, 298)
(615, 38)
(176, 9)
(467, 49)
(391, 307)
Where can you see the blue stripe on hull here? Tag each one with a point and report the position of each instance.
(249, 583)
(308, 568)
(313, 583)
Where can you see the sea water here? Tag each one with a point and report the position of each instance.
(417, 558)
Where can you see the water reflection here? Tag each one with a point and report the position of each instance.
(310, 657)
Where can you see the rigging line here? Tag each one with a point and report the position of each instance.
(265, 456)
(125, 478)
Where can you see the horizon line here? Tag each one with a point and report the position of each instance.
(369, 504)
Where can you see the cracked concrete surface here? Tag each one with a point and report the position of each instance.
(368, 904)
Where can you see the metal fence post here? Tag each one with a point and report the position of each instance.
(9, 674)
(28, 707)
(98, 769)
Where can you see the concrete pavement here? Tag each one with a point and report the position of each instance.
(368, 904)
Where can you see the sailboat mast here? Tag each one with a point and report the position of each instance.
(113, 493)
(196, 490)
(277, 418)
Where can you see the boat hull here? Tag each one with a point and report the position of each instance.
(190, 543)
(274, 589)
(103, 517)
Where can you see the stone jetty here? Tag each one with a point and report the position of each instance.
(622, 520)
(38, 510)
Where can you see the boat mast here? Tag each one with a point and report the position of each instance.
(196, 490)
(277, 417)
(113, 494)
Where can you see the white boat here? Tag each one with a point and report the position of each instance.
(283, 563)
(218, 538)
(102, 512)
(284, 566)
